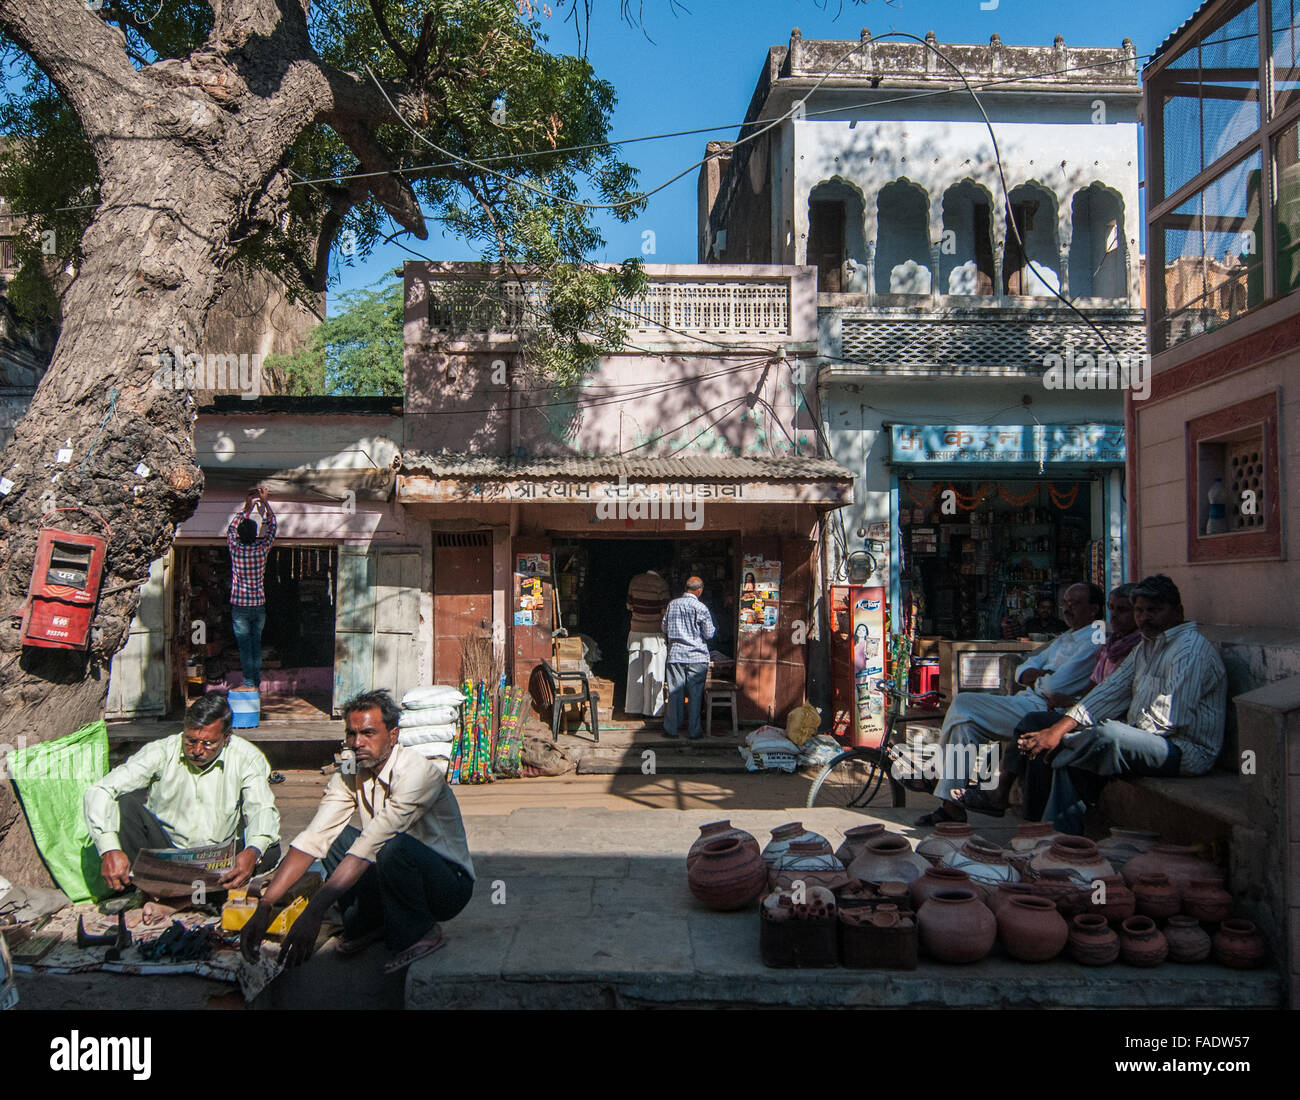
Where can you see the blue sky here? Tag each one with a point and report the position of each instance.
(702, 66)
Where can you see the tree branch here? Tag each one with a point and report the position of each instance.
(234, 22)
(381, 20)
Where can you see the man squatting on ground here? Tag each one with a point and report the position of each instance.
(1172, 693)
(404, 870)
(199, 787)
(1062, 668)
(688, 626)
(248, 551)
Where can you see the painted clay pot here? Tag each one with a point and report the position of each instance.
(956, 927)
(1141, 943)
(717, 830)
(1188, 941)
(1061, 889)
(934, 880)
(888, 858)
(727, 875)
(1111, 898)
(1238, 944)
(986, 864)
(1005, 891)
(1180, 862)
(1031, 930)
(1033, 835)
(948, 837)
(811, 862)
(1092, 941)
(1122, 845)
(1207, 900)
(1075, 854)
(783, 836)
(855, 840)
(1156, 896)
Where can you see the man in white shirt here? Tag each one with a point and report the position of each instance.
(647, 649)
(1063, 668)
(1160, 713)
(404, 870)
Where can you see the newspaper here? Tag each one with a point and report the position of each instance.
(178, 872)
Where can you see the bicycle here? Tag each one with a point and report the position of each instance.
(853, 778)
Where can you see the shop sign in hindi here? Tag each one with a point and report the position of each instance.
(976, 443)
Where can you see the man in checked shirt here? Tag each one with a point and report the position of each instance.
(248, 551)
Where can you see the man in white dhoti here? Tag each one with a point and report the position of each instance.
(647, 649)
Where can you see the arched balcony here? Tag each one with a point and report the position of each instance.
(1098, 264)
(966, 247)
(1031, 264)
(903, 239)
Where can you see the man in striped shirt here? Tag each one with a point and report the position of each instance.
(248, 550)
(647, 597)
(1171, 693)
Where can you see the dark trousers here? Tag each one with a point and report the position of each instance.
(247, 623)
(1035, 772)
(140, 829)
(407, 890)
(683, 681)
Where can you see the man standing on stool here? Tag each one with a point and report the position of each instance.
(647, 597)
(688, 627)
(248, 551)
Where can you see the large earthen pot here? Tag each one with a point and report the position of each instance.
(1031, 930)
(1238, 944)
(1060, 886)
(1188, 941)
(855, 840)
(934, 880)
(1031, 836)
(1123, 845)
(1180, 862)
(785, 835)
(1075, 854)
(717, 830)
(948, 837)
(1092, 941)
(888, 858)
(1141, 943)
(985, 862)
(810, 862)
(1207, 900)
(728, 874)
(956, 927)
(1006, 891)
(1156, 896)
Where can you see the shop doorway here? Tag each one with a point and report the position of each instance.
(297, 641)
(982, 554)
(592, 576)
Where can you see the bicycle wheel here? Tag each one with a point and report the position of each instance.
(850, 781)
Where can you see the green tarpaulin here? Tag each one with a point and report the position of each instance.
(51, 778)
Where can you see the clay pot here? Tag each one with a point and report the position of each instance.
(986, 864)
(1238, 944)
(1188, 941)
(888, 858)
(1141, 943)
(1206, 900)
(1092, 942)
(855, 840)
(717, 830)
(1033, 835)
(895, 892)
(1180, 862)
(1031, 930)
(948, 837)
(934, 880)
(783, 836)
(811, 862)
(1075, 854)
(1062, 890)
(1110, 898)
(1005, 891)
(956, 927)
(1122, 845)
(1156, 897)
(728, 874)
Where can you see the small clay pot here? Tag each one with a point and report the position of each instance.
(948, 837)
(1111, 898)
(1060, 887)
(934, 880)
(956, 927)
(1179, 862)
(783, 836)
(1141, 943)
(1207, 900)
(1092, 941)
(888, 858)
(1005, 891)
(1075, 854)
(1156, 897)
(727, 875)
(855, 840)
(1188, 941)
(1033, 835)
(1030, 929)
(1238, 944)
(717, 830)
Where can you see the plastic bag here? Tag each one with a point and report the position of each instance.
(439, 695)
(425, 735)
(429, 716)
(51, 779)
(802, 723)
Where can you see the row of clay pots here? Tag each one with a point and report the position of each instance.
(726, 870)
(1139, 942)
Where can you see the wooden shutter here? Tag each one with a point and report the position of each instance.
(376, 624)
(140, 673)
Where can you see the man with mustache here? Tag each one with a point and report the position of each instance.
(1160, 713)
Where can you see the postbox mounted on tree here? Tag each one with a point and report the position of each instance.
(64, 588)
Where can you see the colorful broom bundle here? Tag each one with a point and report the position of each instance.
(510, 741)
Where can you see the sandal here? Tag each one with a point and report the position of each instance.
(977, 801)
(941, 814)
(416, 951)
(347, 947)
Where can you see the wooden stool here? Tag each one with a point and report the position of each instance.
(720, 693)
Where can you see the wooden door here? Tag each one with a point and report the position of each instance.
(376, 625)
(462, 597)
(826, 244)
(140, 673)
(771, 665)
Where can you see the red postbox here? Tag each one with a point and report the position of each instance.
(64, 589)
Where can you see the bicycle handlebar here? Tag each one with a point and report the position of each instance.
(886, 688)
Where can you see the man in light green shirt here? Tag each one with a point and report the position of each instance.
(199, 787)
